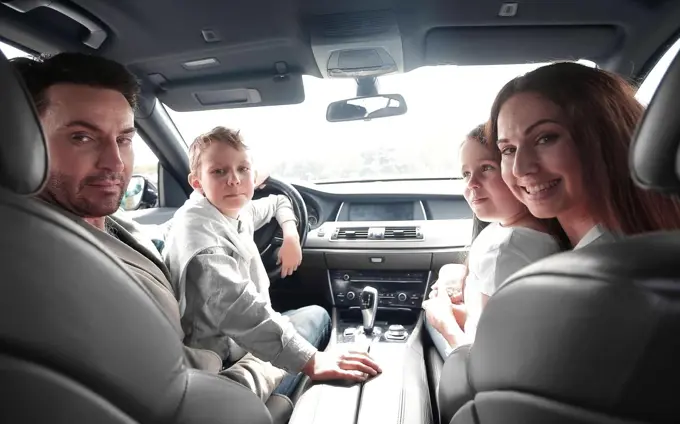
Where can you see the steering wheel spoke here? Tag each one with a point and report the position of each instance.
(277, 241)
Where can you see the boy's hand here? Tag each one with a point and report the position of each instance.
(290, 254)
(341, 364)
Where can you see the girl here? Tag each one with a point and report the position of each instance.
(513, 239)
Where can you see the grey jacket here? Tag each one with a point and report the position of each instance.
(223, 287)
(127, 241)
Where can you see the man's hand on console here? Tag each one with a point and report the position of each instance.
(341, 365)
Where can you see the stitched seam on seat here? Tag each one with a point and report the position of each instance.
(175, 414)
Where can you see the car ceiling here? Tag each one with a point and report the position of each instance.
(258, 39)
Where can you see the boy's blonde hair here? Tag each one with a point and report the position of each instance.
(216, 135)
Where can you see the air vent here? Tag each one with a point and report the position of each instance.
(355, 233)
(402, 233)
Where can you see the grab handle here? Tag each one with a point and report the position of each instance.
(97, 35)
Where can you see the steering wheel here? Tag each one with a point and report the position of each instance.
(269, 238)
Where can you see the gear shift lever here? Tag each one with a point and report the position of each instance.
(369, 307)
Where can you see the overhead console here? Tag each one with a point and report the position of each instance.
(356, 44)
(396, 289)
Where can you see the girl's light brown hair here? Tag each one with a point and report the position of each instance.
(216, 135)
(602, 114)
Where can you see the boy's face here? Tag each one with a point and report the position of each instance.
(225, 177)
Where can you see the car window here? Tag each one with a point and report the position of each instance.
(653, 79)
(444, 103)
(146, 166)
(11, 52)
(146, 162)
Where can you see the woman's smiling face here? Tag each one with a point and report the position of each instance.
(540, 161)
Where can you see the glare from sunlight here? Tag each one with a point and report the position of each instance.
(11, 52)
(652, 81)
(296, 142)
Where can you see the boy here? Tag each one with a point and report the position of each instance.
(222, 284)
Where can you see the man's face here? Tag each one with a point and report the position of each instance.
(89, 138)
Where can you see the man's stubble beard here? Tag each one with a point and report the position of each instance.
(56, 192)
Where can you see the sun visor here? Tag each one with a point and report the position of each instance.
(265, 90)
(516, 44)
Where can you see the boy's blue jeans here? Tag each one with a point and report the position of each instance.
(314, 324)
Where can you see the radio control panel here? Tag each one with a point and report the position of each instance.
(395, 288)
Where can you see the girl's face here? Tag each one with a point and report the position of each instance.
(486, 192)
(540, 161)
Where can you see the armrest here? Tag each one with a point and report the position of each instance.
(454, 390)
(327, 404)
(401, 393)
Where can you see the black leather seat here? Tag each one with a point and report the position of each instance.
(80, 340)
(590, 336)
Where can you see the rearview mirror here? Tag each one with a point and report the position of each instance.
(366, 108)
(140, 194)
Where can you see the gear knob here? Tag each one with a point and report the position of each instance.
(369, 307)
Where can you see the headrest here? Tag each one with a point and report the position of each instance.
(23, 154)
(655, 153)
(595, 328)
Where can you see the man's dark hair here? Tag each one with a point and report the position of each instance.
(39, 74)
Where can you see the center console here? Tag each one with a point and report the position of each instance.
(378, 311)
(396, 289)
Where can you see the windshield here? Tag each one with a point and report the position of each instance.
(296, 142)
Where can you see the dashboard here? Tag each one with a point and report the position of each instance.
(400, 214)
(393, 235)
(418, 224)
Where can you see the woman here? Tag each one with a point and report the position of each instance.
(512, 240)
(564, 132)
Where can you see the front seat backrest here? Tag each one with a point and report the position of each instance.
(80, 339)
(589, 336)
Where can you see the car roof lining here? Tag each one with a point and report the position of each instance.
(155, 37)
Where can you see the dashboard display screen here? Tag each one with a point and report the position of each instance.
(395, 211)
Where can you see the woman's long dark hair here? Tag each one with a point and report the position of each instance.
(602, 114)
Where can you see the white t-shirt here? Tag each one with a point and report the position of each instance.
(598, 235)
(498, 252)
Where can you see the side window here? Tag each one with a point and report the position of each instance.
(142, 192)
(146, 162)
(11, 52)
(653, 79)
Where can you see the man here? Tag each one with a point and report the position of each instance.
(85, 104)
